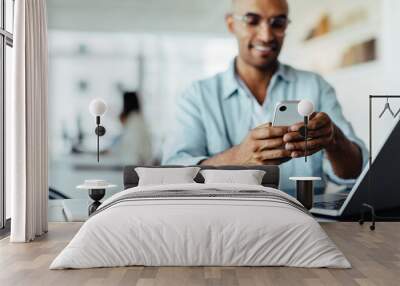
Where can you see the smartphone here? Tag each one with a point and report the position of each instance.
(286, 113)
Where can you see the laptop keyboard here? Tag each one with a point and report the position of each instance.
(331, 205)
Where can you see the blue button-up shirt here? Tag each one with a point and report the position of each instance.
(217, 113)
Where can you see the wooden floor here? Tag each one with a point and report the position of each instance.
(375, 257)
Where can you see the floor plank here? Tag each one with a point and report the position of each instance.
(374, 255)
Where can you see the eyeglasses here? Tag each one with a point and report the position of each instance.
(277, 24)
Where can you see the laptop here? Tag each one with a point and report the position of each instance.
(379, 187)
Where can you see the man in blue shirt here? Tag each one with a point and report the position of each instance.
(225, 119)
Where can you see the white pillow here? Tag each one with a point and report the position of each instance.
(162, 176)
(248, 177)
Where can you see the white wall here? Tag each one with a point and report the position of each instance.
(391, 45)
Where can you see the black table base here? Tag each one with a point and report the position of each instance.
(96, 195)
(305, 193)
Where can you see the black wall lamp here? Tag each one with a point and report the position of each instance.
(97, 108)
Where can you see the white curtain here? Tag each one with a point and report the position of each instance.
(27, 121)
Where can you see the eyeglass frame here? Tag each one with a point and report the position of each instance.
(243, 19)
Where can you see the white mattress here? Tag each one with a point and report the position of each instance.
(201, 231)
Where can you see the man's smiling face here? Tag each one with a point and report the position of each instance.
(259, 27)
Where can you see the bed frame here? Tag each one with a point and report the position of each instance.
(271, 177)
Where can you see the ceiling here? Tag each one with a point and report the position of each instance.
(194, 16)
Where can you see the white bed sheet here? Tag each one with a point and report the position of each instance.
(201, 231)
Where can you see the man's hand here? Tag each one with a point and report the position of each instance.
(263, 145)
(321, 134)
(274, 145)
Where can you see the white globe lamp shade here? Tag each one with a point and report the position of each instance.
(97, 107)
(305, 107)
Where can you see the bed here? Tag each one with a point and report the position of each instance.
(197, 224)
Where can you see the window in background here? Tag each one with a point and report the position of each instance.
(6, 43)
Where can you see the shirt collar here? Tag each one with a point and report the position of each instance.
(230, 83)
(284, 73)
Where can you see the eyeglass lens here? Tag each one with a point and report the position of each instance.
(278, 24)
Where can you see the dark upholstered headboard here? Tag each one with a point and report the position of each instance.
(271, 177)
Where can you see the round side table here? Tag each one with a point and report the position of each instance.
(305, 190)
(96, 193)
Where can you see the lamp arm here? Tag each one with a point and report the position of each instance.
(98, 137)
(305, 136)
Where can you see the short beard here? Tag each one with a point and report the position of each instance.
(268, 66)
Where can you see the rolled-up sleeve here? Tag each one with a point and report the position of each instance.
(331, 106)
(186, 142)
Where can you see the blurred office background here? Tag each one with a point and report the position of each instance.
(151, 50)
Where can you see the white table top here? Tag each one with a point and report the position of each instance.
(305, 178)
(87, 187)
